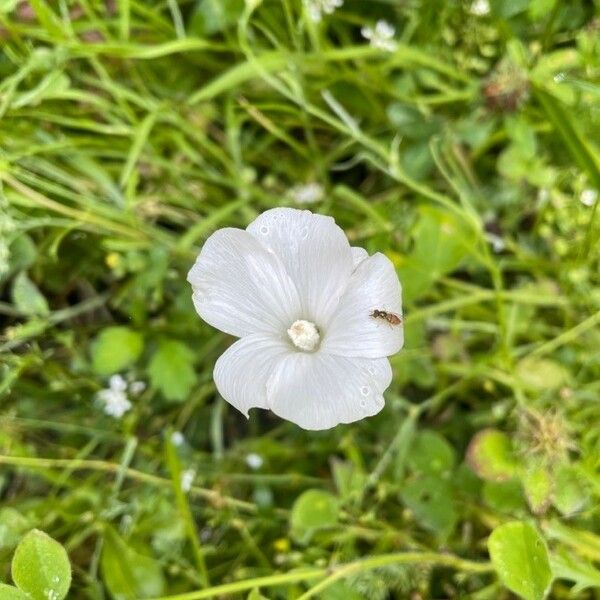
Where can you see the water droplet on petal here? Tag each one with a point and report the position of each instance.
(364, 390)
(264, 230)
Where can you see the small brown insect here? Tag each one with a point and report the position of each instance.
(390, 317)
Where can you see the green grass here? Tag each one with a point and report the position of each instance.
(131, 130)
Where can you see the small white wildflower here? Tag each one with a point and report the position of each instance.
(543, 195)
(307, 193)
(177, 438)
(137, 387)
(117, 383)
(279, 285)
(187, 479)
(254, 461)
(381, 37)
(480, 8)
(316, 8)
(114, 398)
(559, 77)
(588, 197)
(498, 244)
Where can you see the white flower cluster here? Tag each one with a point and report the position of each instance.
(381, 36)
(317, 318)
(114, 399)
(317, 8)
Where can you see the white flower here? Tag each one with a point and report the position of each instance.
(480, 8)
(177, 438)
(588, 197)
(497, 243)
(307, 193)
(114, 398)
(316, 8)
(382, 36)
(301, 300)
(187, 479)
(137, 387)
(254, 461)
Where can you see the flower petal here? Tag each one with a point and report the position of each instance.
(242, 371)
(352, 330)
(318, 391)
(240, 287)
(315, 252)
(358, 255)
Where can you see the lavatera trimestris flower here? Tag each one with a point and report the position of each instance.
(316, 318)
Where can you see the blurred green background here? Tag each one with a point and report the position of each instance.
(467, 152)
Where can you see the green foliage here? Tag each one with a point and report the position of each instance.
(313, 510)
(41, 567)
(491, 456)
(129, 575)
(130, 131)
(520, 557)
(9, 592)
(171, 370)
(441, 241)
(115, 349)
(27, 297)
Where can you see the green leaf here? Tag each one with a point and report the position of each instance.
(256, 595)
(520, 558)
(13, 525)
(9, 592)
(573, 568)
(115, 348)
(580, 146)
(504, 496)
(27, 297)
(41, 567)
(569, 495)
(22, 253)
(127, 574)
(541, 373)
(490, 455)
(171, 370)
(313, 510)
(430, 453)
(430, 499)
(537, 485)
(213, 16)
(441, 243)
(349, 479)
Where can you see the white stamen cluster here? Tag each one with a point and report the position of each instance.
(304, 335)
(381, 36)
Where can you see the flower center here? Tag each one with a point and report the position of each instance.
(304, 335)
